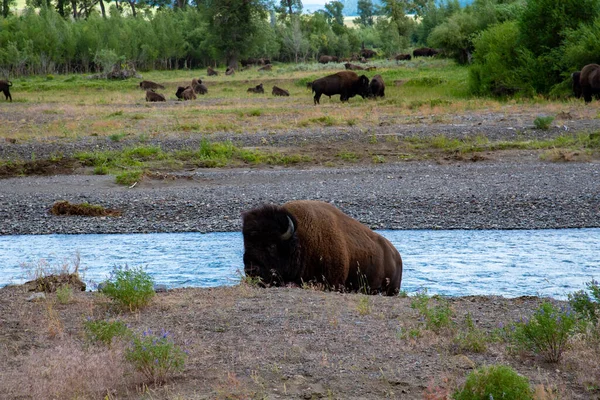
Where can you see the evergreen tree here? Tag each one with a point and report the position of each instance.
(289, 8)
(365, 13)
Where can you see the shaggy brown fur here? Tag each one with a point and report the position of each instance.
(180, 90)
(304, 241)
(277, 91)
(345, 83)
(353, 67)
(188, 94)
(229, 71)
(368, 53)
(327, 59)
(376, 87)
(152, 96)
(211, 72)
(424, 52)
(256, 89)
(403, 57)
(147, 85)
(198, 86)
(4, 88)
(589, 81)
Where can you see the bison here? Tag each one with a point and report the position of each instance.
(313, 241)
(147, 85)
(152, 96)
(353, 67)
(403, 57)
(424, 52)
(367, 53)
(185, 93)
(377, 87)
(256, 89)
(345, 83)
(4, 88)
(229, 71)
(211, 72)
(199, 87)
(327, 59)
(277, 91)
(587, 83)
(266, 67)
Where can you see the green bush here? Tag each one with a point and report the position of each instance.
(495, 382)
(546, 333)
(585, 305)
(64, 294)
(472, 339)
(436, 317)
(156, 356)
(543, 122)
(131, 288)
(105, 331)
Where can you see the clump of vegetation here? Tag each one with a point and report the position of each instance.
(49, 278)
(64, 294)
(436, 317)
(473, 339)
(495, 382)
(64, 207)
(131, 288)
(587, 305)
(156, 356)
(546, 333)
(105, 331)
(543, 122)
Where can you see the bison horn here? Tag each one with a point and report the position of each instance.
(290, 230)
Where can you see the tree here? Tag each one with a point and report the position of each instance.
(289, 8)
(232, 25)
(365, 13)
(333, 10)
(6, 7)
(293, 40)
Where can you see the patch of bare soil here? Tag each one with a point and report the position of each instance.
(277, 343)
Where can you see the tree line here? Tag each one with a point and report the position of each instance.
(511, 46)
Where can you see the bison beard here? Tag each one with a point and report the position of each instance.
(304, 241)
(345, 83)
(4, 88)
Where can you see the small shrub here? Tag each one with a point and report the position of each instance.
(129, 177)
(101, 170)
(117, 137)
(156, 356)
(378, 159)
(64, 294)
(586, 306)
(473, 339)
(131, 288)
(437, 317)
(255, 113)
(546, 333)
(542, 122)
(364, 306)
(105, 331)
(348, 156)
(495, 382)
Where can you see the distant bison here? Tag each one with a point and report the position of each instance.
(403, 57)
(277, 91)
(377, 87)
(198, 86)
(424, 52)
(256, 89)
(576, 85)
(211, 72)
(312, 241)
(587, 83)
(185, 93)
(327, 59)
(345, 83)
(179, 92)
(152, 96)
(147, 85)
(367, 53)
(4, 88)
(229, 71)
(266, 67)
(353, 67)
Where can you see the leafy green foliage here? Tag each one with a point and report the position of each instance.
(64, 294)
(547, 332)
(472, 338)
(131, 288)
(543, 122)
(156, 356)
(435, 317)
(587, 303)
(495, 382)
(105, 331)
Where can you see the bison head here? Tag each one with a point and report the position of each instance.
(270, 245)
(363, 86)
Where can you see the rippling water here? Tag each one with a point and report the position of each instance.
(456, 263)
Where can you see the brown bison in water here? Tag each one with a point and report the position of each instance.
(587, 82)
(211, 72)
(345, 83)
(152, 96)
(4, 88)
(327, 59)
(256, 89)
(306, 240)
(277, 91)
(377, 87)
(147, 85)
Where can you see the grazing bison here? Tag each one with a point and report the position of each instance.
(256, 89)
(367, 53)
(376, 87)
(424, 52)
(147, 85)
(588, 83)
(353, 67)
(229, 71)
(576, 85)
(198, 86)
(266, 67)
(277, 91)
(403, 57)
(327, 59)
(152, 96)
(345, 83)
(306, 240)
(4, 88)
(211, 72)
(188, 94)
(180, 90)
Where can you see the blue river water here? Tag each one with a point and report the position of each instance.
(454, 262)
